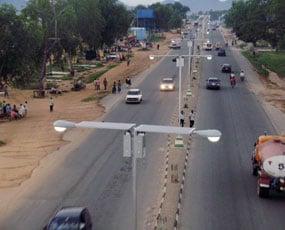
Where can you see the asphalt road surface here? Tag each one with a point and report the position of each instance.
(220, 192)
(97, 176)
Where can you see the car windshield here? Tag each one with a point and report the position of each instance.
(64, 223)
(214, 80)
(133, 92)
(167, 81)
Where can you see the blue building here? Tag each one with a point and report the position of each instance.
(145, 18)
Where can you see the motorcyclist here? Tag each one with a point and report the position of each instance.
(242, 75)
(233, 79)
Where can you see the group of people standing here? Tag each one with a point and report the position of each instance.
(116, 87)
(13, 112)
(191, 118)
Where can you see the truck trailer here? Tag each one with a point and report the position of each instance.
(268, 164)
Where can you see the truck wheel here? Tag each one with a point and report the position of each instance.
(262, 192)
(254, 171)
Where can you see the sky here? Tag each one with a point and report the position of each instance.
(195, 5)
(137, 2)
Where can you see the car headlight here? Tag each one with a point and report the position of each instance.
(171, 87)
(162, 86)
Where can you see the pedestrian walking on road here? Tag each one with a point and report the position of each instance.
(157, 46)
(191, 118)
(51, 104)
(181, 118)
(114, 88)
(119, 86)
(128, 82)
(128, 61)
(105, 83)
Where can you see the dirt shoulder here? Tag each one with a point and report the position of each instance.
(29, 140)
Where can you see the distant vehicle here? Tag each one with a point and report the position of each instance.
(218, 46)
(175, 44)
(134, 96)
(213, 83)
(268, 164)
(226, 68)
(72, 218)
(112, 56)
(222, 53)
(167, 84)
(207, 46)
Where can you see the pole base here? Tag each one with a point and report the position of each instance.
(178, 143)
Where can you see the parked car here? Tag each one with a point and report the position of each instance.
(134, 96)
(213, 83)
(72, 218)
(222, 53)
(226, 68)
(167, 84)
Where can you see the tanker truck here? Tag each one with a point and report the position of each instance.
(268, 164)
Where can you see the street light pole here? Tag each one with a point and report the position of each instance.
(180, 62)
(134, 130)
(134, 174)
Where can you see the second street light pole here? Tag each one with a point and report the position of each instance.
(134, 172)
(179, 64)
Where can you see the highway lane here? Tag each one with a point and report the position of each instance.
(220, 192)
(97, 176)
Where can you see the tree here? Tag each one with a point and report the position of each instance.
(18, 45)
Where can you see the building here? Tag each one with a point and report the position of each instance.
(145, 18)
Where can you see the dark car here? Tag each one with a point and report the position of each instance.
(71, 218)
(226, 68)
(222, 52)
(213, 83)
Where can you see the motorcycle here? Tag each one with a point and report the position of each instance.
(233, 82)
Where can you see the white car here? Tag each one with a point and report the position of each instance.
(134, 96)
(207, 46)
(167, 84)
(175, 44)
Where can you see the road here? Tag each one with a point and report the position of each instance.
(220, 192)
(97, 176)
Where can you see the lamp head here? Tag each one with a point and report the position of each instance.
(62, 125)
(212, 135)
(209, 57)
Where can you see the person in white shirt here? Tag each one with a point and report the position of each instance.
(181, 118)
(22, 111)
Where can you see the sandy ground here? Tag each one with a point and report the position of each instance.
(29, 140)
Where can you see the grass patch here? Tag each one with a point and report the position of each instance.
(254, 60)
(66, 77)
(267, 60)
(2, 143)
(100, 73)
(95, 97)
(96, 75)
(90, 98)
(275, 61)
